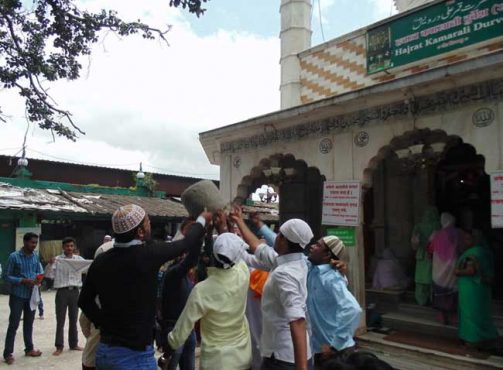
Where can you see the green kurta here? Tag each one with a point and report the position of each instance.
(475, 318)
(422, 231)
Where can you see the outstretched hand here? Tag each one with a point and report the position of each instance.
(236, 214)
(340, 266)
(220, 221)
(256, 220)
(208, 216)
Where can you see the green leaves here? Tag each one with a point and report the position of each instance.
(195, 6)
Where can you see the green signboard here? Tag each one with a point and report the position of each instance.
(437, 29)
(346, 234)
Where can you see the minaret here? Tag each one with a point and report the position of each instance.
(295, 37)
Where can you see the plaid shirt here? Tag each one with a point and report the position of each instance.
(21, 266)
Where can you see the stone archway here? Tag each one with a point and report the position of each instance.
(398, 183)
(300, 187)
(417, 169)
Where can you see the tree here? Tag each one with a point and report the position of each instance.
(44, 43)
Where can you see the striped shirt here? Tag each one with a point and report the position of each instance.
(68, 271)
(22, 266)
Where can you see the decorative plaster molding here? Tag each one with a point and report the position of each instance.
(362, 139)
(326, 145)
(439, 102)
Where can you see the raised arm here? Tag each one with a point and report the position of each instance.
(248, 235)
(162, 252)
(263, 230)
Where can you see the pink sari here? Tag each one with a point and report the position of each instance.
(445, 246)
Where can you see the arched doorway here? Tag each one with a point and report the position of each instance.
(299, 186)
(420, 169)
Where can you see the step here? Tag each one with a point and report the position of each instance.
(416, 310)
(406, 357)
(418, 324)
(385, 300)
(429, 313)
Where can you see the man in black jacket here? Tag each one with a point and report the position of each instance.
(124, 279)
(175, 290)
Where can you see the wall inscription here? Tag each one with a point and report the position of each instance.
(439, 102)
(236, 162)
(326, 146)
(483, 117)
(362, 139)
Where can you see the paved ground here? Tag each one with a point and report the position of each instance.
(43, 338)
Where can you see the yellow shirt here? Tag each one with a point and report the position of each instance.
(220, 303)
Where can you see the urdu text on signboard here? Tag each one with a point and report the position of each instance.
(433, 30)
(341, 203)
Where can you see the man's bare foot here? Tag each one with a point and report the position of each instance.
(57, 352)
(76, 348)
(33, 353)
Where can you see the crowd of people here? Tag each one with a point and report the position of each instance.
(259, 300)
(455, 272)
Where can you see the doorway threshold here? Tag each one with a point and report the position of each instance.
(409, 351)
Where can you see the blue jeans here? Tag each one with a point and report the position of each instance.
(185, 356)
(122, 358)
(17, 307)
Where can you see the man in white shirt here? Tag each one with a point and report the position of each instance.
(285, 340)
(68, 269)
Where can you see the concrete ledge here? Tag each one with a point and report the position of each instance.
(406, 357)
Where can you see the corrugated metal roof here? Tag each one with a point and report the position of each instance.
(108, 203)
(17, 198)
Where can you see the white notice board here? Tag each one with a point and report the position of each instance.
(341, 203)
(497, 200)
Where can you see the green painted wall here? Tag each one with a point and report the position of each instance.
(7, 239)
(28, 220)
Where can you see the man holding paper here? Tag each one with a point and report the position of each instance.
(68, 270)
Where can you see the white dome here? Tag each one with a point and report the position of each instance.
(22, 162)
(404, 5)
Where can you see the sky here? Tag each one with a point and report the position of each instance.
(144, 101)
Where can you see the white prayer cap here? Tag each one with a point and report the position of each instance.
(126, 218)
(228, 245)
(297, 231)
(335, 245)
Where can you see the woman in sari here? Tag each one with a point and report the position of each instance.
(475, 271)
(444, 247)
(430, 222)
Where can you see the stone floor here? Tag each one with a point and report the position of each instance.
(43, 338)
